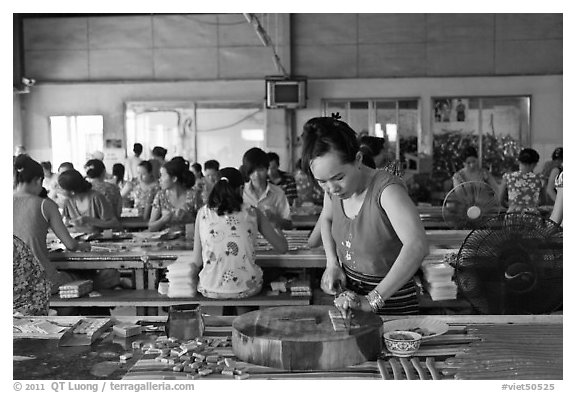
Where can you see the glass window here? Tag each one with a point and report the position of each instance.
(496, 126)
(225, 134)
(398, 121)
(152, 128)
(75, 138)
(197, 131)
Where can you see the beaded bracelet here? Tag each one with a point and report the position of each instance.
(375, 300)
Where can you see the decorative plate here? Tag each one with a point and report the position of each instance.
(427, 327)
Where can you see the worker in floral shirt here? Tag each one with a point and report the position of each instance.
(522, 188)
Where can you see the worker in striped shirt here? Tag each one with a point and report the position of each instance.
(282, 179)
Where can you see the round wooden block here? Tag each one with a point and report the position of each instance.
(303, 338)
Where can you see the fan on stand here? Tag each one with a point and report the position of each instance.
(512, 265)
(469, 204)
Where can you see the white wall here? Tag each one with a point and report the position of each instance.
(108, 99)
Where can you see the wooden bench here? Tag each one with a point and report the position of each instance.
(145, 299)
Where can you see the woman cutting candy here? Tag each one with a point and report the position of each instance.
(371, 231)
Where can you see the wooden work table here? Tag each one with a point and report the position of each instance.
(507, 347)
(146, 258)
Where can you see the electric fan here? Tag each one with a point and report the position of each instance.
(512, 265)
(469, 204)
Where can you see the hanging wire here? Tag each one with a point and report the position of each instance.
(266, 41)
(248, 116)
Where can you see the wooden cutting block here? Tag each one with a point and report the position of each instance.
(303, 338)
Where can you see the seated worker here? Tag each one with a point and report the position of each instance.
(33, 216)
(177, 203)
(57, 194)
(557, 213)
(551, 171)
(308, 189)
(522, 188)
(142, 189)
(158, 159)
(376, 147)
(50, 178)
(95, 174)
(212, 175)
(269, 198)
(200, 184)
(225, 242)
(282, 179)
(472, 171)
(86, 209)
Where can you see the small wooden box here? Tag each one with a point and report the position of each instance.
(124, 330)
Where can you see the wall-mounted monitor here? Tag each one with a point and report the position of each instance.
(287, 93)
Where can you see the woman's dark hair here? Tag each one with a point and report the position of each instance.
(137, 149)
(72, 180)
(324, 134)
(181, 160)
(225, 196)
(198, 168)
(146, 165)
(118, 170)
(253, 159)
(212, 164)
(47, 165)
(159, 151)
(179, 169)
(469, 152)
(67, 165)
(374, 143)
(528, 156)
(367, 158)
(26, 169)
(272, 156)
(557, 154)
(94, 168)
(43, 193)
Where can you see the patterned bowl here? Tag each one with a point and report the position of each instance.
(402, 342)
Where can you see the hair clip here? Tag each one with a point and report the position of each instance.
(336, 116)
(225, 179)
(19, 170)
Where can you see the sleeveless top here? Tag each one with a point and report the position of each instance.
(228, 254)
(98, 207)
(367, 244)
(31, 226)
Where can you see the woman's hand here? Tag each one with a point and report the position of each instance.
(349, 300)
(332, 279)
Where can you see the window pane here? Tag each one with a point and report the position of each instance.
(504, 123)
(408, 125)
(225, 134)
(358, 117)
(152, 128)
(75, 138)
(386, 121)
(335, 106)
